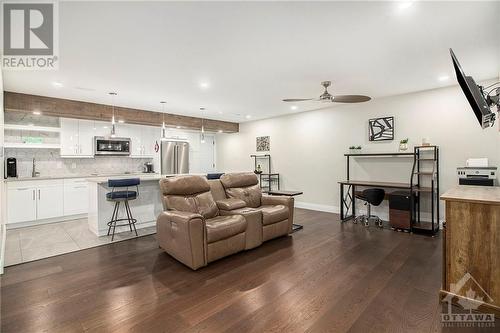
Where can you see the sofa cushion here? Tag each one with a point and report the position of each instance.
(206, 205)
(184, 185)
(273, 214)
(222, 227)
(231, 204)
(250, 194)
(239, 179)
(217, 189)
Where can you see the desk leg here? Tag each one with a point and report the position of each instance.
(346, 203)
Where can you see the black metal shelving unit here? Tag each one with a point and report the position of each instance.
(266, 180)
(425, 166)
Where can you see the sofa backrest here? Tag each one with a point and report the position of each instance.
(218, 192)
(189, 194)
(243, 186)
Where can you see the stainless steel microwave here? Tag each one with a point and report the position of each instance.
(111, 146)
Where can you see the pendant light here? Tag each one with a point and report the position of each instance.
(202, 127)
(163, 127)
(113, 129)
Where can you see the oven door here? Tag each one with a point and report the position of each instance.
(112, 146)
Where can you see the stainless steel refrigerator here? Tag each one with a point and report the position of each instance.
(174, 157)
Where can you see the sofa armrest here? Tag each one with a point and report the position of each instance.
(230, 204)
(183, 236)
(253, 234)
(281, 200)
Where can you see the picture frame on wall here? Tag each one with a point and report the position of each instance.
(263, 143)
(381, 129)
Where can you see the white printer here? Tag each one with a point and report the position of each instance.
(477, 172)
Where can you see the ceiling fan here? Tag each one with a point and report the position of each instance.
(327, 97)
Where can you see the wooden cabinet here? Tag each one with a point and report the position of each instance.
(471, 247)
(76, 197)
(77, 138)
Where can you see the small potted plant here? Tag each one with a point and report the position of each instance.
(354, 149)
(258, 171)
(403, 145)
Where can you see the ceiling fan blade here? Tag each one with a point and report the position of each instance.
(350, 98)
(297, 99)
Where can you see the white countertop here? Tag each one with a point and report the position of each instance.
(142, 177)
(69, 176)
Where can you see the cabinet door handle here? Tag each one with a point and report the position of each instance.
(23, 189)
(39, 197)
(33, 195)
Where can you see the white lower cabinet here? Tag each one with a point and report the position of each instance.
(33, 200)
(21, 204)
(76, 197)
(50, 202)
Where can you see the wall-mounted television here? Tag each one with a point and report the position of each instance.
(474, 94)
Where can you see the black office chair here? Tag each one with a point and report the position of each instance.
(371, 196)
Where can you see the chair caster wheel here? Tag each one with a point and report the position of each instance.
(367, 224)
(380, 225)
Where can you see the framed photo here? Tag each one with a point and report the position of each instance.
(263, 143)
(381, 129)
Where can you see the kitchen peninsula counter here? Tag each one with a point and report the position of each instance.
(145, 208)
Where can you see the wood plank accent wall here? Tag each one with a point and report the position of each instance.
(50, 106)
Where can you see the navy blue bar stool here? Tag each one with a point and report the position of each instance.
(118, 196)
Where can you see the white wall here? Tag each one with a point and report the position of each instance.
(307, 148)
(3, 216)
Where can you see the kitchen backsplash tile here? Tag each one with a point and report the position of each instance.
(49, 163)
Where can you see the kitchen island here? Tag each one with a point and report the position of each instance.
(145, 208)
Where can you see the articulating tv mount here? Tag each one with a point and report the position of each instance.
(492, 98)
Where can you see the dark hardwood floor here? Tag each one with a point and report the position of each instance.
(328, 277)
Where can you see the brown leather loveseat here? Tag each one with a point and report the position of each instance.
(206, 220)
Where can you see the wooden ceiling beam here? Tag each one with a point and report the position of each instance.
(50, 106)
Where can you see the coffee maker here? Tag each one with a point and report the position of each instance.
(148, 167)
(11, 167)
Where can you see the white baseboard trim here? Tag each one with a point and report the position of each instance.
(45, 221)
(317, 207)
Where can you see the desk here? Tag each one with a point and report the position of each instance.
(347, 200)
(471, 246)
(295, 227)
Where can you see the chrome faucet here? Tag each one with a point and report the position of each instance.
(34, 173)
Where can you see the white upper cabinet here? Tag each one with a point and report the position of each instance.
(77, 138)
(69, 137)
(143, 139)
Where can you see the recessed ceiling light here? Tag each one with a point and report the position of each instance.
(294, 107)
(405, 4)
(204, 85)
(220, 112)
(220, 131)
(178, 127)
(37, 113)
(443, 78)
(248, 116)
(57, 84)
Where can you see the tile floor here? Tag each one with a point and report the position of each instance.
(37, 242)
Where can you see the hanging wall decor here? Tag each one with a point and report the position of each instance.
(380, 129)
(263, 143)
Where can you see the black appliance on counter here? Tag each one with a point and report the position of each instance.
(148, 167)
(11, 167)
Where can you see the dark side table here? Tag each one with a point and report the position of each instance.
(295, 227)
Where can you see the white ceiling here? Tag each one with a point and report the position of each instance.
(253, 54)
